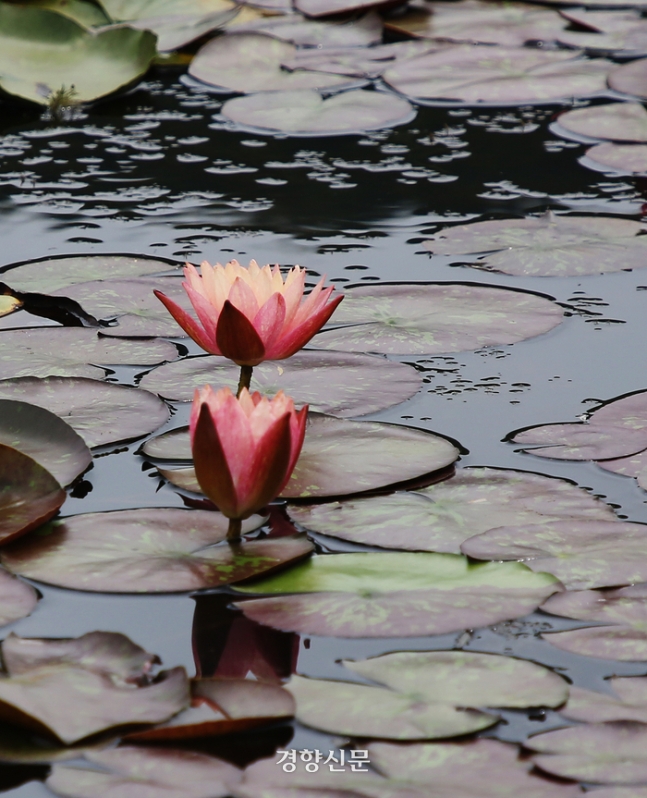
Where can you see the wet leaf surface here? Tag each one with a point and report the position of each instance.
(627, 158)
(17, 599)
(550, 245)
(147, 551)
(616, 122)
(620, 33)
(429, 319)
(99, 412)
(339, 383)
(627, 701)
(442, 516)
(630, 78)
(357, 33)
(138, 772)
(327, 8)
(575, 441)
(46, 438)
(29, 494)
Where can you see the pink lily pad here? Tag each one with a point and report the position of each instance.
(356, 33)
(575, 441)
(633, 466)
(625, 158)
(327, 8)
(630, 78)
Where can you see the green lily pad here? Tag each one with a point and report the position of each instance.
(625, 158)
(74, 352)
(360, 710)
(251, 62)
(139, 772)
(576, 441)
(599, 753)
(630, 78)
(437, 318)
(442, 516)
(339, 457)
(498, 75)
(338, 383)
(395, 595)
(356, 33)
(46, 438)
(47, 275)
(42, 51)
(29, 494)
(147, 551)
(100, 412)
(628, 701)
(548, 245)
(582, 554)
(306, 113)
(17, 599)
(68, 693)
(616, 122)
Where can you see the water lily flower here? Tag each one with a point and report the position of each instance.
(251, 314)
(244, 449)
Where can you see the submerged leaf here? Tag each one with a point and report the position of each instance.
(576, 441)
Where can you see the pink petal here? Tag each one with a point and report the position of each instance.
(243, 298)
(206, 312)
(297, 338)
(269, 320)
(211, 467)
(189, 324)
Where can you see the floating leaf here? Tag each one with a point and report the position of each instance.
(581, 554)
(71, 694)
(42, 51)
(395, 595)
(607, 753)
(29, 494)
(338, 383)
(86, 14)
(620, 33)
(100, 412)
(627, 158)
(138, 772)
(630, 78)
(428, 319)
(356, 33)
(8, 304)
(147, 551)
(616, 121)
(575, 441)
(442, 516)
(327, 8)
(47, 275)
(361, 710)
(628, 701)
(306, 113)
(46, 438)
(17, 599)
(251, 62)
(69, 351)
(498, 75)
(632, 466)
(549, 245)
(341, 457)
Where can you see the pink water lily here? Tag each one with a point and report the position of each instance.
(251, 314)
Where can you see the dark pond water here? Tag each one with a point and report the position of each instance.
(157, 173)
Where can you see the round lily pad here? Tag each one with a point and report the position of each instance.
(442, 516)
(616, 122)
(341, 457)
(74, 352)
(630, 78)
(356, 33)
(46, 438)
(100, 412)
(626, 158)
(306, 113)
(251, 62)
(326, 8)
(339, 383)
(575, 441)
(628, 701)
(147, 551)
(619, 33)
(498, 75)
(430, 319)
(86, 14)
(548, 245)
(17, 598)
(29, 494)
(582, 554)
(395, 595)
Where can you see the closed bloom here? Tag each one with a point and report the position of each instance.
(245, 449)
(251, 314)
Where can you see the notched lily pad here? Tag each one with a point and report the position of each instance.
(147, 551)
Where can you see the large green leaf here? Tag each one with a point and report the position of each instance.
(85, 13)
(42, 51)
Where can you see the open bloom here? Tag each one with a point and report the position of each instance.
(245, 449)
(251, 314)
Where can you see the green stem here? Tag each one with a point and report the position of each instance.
(235, 528)
(245, 378)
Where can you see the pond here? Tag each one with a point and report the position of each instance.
(158, 176)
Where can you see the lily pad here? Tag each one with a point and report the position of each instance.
(327, 8)
(42, 52)
(47, 275)
(582, 554)
(576, 441)
(626, 158)
(251, 62)
(29, 494)
(498, 75)
(17, 599)
(395, 595)
(616, 122)
(428, 319)
(338, 383)
(360, 710)
(549, 245)
(74, 352)
(599, 753)
(68, 693)
(139, 772)
(147, 551)
(46, 438)
(100, 412)
(294, 28)
(442, 516)
(306, 113)
(86, 14)
(630, 78)
(621, 33)
(341, 457)
(633, 466)
(628, 701)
